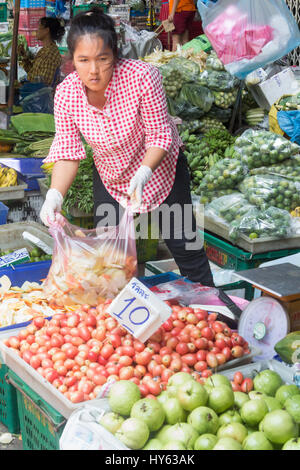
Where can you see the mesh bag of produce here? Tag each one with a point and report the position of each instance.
(89, 266)
(217, 80)
(197, 95)
(225, 99)
(225, 174)
(258, 148)
(270, 190)
(172, 78)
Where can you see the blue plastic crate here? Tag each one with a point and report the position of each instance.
(31, 272)
(151, 281)
(28, 169)
(135, 13)
(32, 3)
(3, 213)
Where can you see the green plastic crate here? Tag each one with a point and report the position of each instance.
(228, 256)
(8, 403)
(79, 8)
(40, 424)
(3, 12)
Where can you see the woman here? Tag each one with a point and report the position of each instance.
(181, 13)
(44, 66)
(119, 107)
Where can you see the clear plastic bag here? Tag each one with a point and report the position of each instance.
(223, 115)
(217, 80)
(89, 266)
(189, 69)
(172, 79)
(197, 95)
(229, 207)
(225, 174)
(184, 292)
(289, 168)
(269, 190)
(225, 99)
(185, 110)
(214, 63)
(208, 196)
(263, 148)
(248, 34)
(41, 101)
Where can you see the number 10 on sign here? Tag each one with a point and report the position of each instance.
(138, 310)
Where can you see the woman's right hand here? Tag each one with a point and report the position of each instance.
(52, 204)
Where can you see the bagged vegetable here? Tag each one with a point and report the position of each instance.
(89, 266)
(197, 95)
(189, 70)
(217, 80)
(208, 196)
(225, 174)
(225, 99)
(229, 207)
(223, 115)
(172, 79)
(270, 190)
(185, 110)
(289, 168)
(214, 63)
(263, 148)
(248, 34)
(210, 123)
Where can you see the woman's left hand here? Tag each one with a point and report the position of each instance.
(138, 182)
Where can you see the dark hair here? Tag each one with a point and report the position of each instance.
(93, 22)
(56, 29)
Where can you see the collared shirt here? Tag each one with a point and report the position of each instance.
(133, 119)
(44, 64)
(183, 5)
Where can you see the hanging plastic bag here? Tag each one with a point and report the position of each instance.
(89, 266)
(248, 34)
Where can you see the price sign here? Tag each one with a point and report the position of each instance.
(138, 310)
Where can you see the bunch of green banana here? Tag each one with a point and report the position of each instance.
(8, 177)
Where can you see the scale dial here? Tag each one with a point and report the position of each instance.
(263, 323)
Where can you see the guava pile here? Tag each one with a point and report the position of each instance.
(207, 414)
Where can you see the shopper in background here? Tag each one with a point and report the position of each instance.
(45, 65)
(181, 13)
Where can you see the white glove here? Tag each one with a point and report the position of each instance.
(138, 182)
(52, 204)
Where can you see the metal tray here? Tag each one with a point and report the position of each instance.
(259, 245)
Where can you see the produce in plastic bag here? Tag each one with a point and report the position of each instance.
(197, 95)
(289, 168)
(172, 79)
(269, 190)
(225, 174)
(209, 123)
(192, 126)
(229, 207)
(263, 148)
(208, 196)
(89, 266)
(214, 63)
(189, 70)
(184, 109)
(248, 34)
(218, 81)
(223, 115)
(225, 99)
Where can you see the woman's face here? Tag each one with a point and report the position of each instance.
(94, 62)
(42, 32)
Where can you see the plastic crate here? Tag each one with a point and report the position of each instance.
(28, 169)
(135, 13)
(226, 255)
(3, 213)
(8, 403)
(40, 424)
(31, 272)
(30, 36)
(151, 281)
(3, 12)
(30, 17)
(32, 3)
(79, 8)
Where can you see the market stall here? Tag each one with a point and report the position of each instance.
(103, 344)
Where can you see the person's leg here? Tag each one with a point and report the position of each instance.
(178, 31)
(183, 239)
(107, 211)
(175, 41)
(189, 18)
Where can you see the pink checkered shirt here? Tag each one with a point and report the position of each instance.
(133, 119)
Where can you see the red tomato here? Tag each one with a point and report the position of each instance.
(91, 320)
(128, 351)
(247, 385)
(176, 365)
(39, 322)
(237, 340)
(238, 378)
(227, 353)
(143, 358)
(76, 397)
(228, 341)
(195, 333)
(227, 331)
(201, 343)
(237, 351)
(217, 326)
(166, 360)
(153, 387)
(125, 361)
(200, 366)
(220, 344)
(126, 373)
(99, 379)
(107, 351)
(211, 360)
(143, 389)
(201, 355)
(207, 333)
(182, 348)
(191, 346)
(138, 346)
(165, 350)
(168, 325)
(166, 374)
(206, 373)
(191, 318)
(221, 358)
(115, 340)
(212, 317)
(171, 343)
(235, 387)
(189, 359)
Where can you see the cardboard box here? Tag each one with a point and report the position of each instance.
(122, 11)
(269, 91)
(293, 310)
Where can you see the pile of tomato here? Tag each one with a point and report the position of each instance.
(79, 351)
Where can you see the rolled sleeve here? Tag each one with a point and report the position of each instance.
(158, 131)
(67, 143)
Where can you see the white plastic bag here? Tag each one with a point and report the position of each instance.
(248, 34)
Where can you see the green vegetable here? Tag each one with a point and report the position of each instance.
(287, 347)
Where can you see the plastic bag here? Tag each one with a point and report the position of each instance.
(289, 121)
(263, 148)
(218, 81)
(289, 168)
(225, 174)
(89, 266)
(268, 190)
(197, 95)
(136, 44)
(214, 63)
(183, 109)
(189, 69)
(172, 79)
(229, 207)
(223, 115)
(41, 101)
(225, 99)
(248, 34)
(207, 196)
(184, 292)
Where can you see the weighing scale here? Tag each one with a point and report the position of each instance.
(269, 318)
